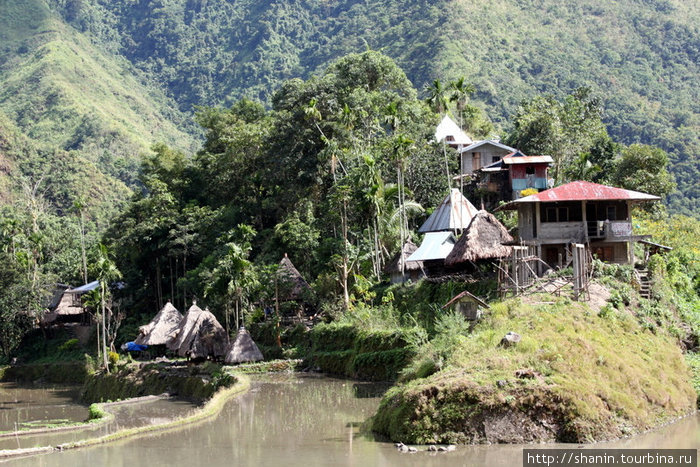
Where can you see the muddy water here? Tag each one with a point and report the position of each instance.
(309, 421)
(20, 405)
(29, 404)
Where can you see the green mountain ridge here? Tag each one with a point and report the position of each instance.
(163, 57)
(74, 108)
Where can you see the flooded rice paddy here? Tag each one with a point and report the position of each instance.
(303, 421)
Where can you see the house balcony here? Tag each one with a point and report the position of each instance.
(580, 232)
(609, 230)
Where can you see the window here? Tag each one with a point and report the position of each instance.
(563, 215)
(495, 159)
(611, 213)
(556, 214)
(529, 170)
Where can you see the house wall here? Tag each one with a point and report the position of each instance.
(521, 180)
(487, 154)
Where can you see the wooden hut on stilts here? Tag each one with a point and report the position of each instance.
(485, 238)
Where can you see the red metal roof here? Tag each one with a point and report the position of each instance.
(582, 191)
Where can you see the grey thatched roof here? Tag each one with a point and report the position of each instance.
(483, 239)
(243, 349)
(394, 266)
(290, 282)
(199, 335)
(162, 328)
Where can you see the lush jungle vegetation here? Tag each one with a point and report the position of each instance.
(336, 174)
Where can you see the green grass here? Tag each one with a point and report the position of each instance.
(599, 378)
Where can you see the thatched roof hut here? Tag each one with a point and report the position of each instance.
(200, 335)
(291, 285)
(243, 349)
(162, 328)
(483, 239)
(394, 265)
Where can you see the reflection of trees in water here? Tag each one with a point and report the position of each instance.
(20, 404)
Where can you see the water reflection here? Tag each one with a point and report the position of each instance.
(308, 421)
(46, 403)
(22, 404)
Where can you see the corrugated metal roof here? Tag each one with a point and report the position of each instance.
(582, 191)
(520, 158)
(436, 245)
(85, 288)
(476, 144)
(448, 127)
(455, 212)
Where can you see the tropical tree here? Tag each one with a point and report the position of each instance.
(437, 97)
(233, 277)
(105, 270)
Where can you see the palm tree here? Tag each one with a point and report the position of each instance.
(106, 271)
(461, 91)
(437, 98)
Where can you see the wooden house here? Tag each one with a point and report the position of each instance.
(579, 212)
(469, 305)
(481, 154)
(400, 270)
(513, 174)
(67, 305)
(452, 217)
(485, 238)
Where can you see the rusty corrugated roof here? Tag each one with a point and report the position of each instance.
(582, 191)
(455, 212)
(520, 158)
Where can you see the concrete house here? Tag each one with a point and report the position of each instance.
(579, 212)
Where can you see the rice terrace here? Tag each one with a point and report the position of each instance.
(349, 233)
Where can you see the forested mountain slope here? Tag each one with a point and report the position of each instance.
(640, 57)
(71, 114)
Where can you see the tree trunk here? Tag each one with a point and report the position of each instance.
(104, 328)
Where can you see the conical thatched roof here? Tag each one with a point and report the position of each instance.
(483, 239)
(162, 328)
(455, 212)
(394, 266)
(243, 349)
(200, 335)
(291, 284)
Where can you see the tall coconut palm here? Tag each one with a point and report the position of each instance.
(437, 97)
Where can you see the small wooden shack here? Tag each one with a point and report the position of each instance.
(67, 304)
(199, 336)
(162, 328)
(468, 304)
(243, 349)
(292, 291)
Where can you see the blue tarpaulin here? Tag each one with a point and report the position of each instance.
(131, 347)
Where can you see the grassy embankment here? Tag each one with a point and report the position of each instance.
(576, 376)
